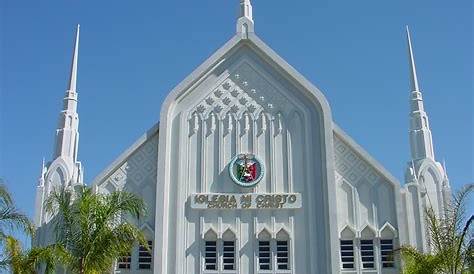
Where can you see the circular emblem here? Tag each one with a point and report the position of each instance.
(246, 170)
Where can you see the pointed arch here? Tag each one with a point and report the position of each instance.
(147, 230)
(282, 234)
(264, 234)
(368, 232)
(228, 235)
(211, 234)
(348, 232)
(388, 231)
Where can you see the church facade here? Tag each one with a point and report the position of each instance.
(247, 173)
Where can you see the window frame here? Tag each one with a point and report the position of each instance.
(141, 255)
(391, 255)
(353, 250)
(127, 264)
(362, 256)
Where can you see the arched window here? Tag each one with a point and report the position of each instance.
(367, 252)
(264, 251)
(228, 250)
(282, 250)
(347, 249)
(210, 250)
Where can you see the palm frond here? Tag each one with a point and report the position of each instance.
(90, 228)
(5, 196)
(11, 218)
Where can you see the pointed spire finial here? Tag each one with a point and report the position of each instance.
(413, 77)
(444, 168)
(246, 9)
(245, 23)
(73, 76)
(42, 172)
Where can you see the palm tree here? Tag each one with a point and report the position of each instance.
(21, 261)
(10, 217)
(92, 229)
(450, 240)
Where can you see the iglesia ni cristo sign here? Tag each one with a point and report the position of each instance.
(245, 201)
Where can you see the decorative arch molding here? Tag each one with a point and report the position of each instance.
(147, 230)
(226, 228)
(428, 165)
(59, 163)
(210, 234)
(388, 231)
(229, 234)
(348, 232)
(65, 175)
(282, 234)
(264, 234)
(368, 232)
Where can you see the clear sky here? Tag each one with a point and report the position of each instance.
(132, 53)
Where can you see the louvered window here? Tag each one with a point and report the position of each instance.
(210, 259)
(145, 256)
(386, 250)
(264, 255)
(228, 255)
(282, 255)
(125, 261)
(367, 253)
(347, 254)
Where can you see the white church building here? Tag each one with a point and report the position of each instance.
(246, 172)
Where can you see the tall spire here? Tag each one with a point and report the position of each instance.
(67, 134)
(75, 55)
(413, 77)
(421, 142)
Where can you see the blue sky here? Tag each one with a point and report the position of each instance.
(132, 53)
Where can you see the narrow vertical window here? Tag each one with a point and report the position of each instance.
(386, 250)
(282, 255)
(144, 256)
(124, 262)
(367, 253)
(229, 255)
(347, 254)
(210, 259)
(228, 250)
(282, 250)
(264, 255)
(264, 251)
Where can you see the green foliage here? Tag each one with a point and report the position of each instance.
(449, 237)
(92, 229)
(21, 261)
(10, 217)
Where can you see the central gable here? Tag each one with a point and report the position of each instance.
(245, 99)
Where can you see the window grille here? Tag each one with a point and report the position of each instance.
(228, 255)
(264, 255)
(210, 259)
(367, 253)
(386, 250)
(282, 255)
(347, 254)
(124, 262)
(144, 256)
